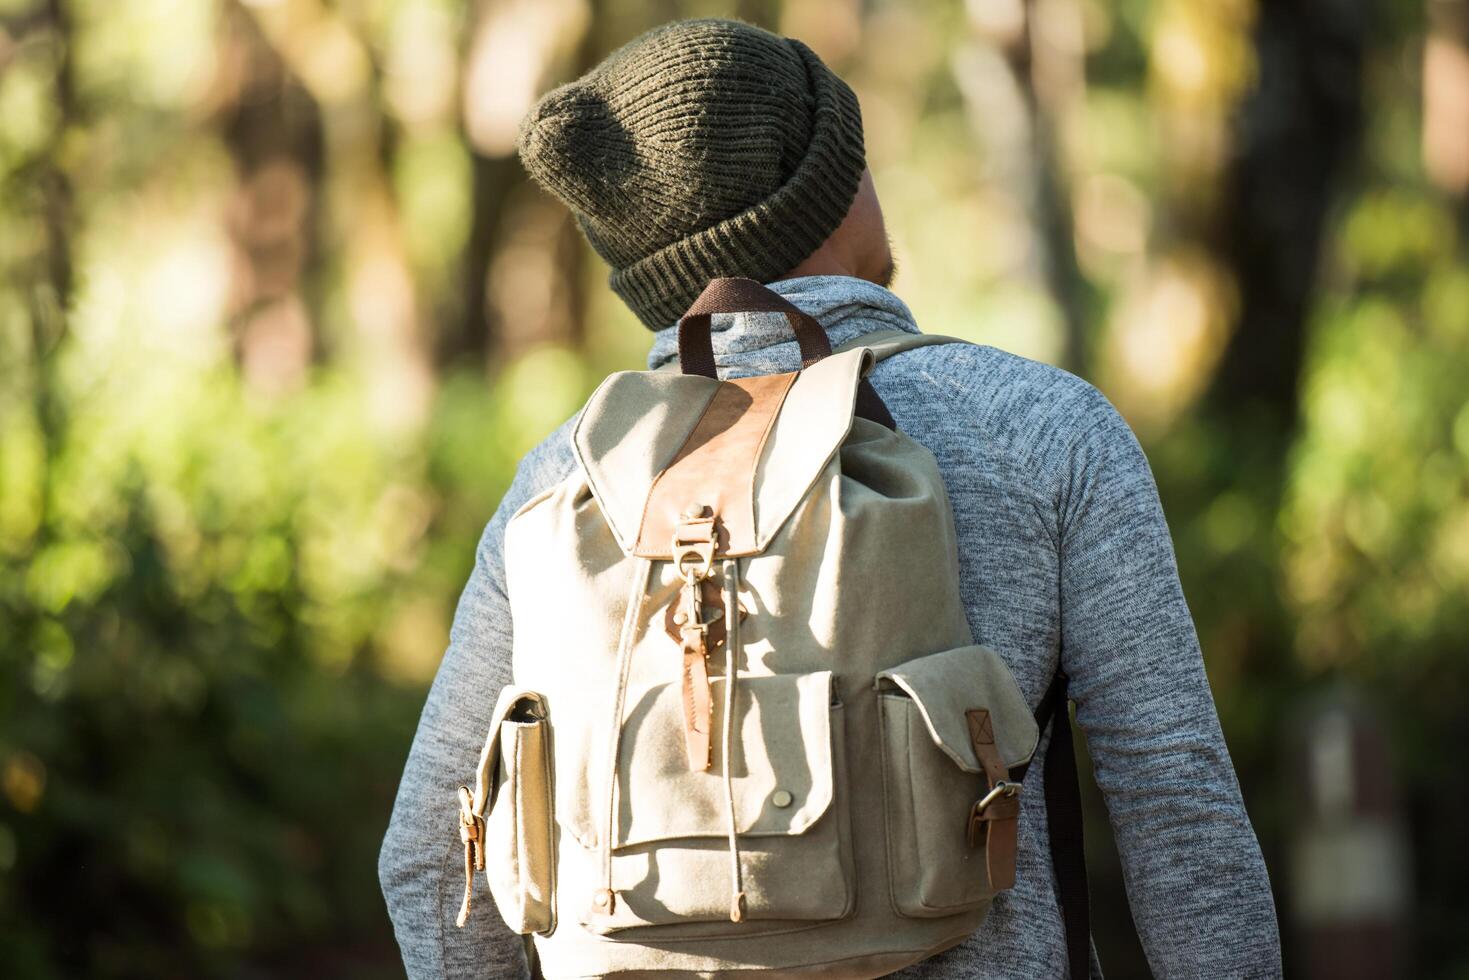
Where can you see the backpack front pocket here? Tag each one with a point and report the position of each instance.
(936, 714)
(518, 830)
(671, 853)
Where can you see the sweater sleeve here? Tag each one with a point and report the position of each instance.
(421, 864)
(1195, 878)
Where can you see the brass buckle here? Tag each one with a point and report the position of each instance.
(1004, 789)
(693, 559)
(693, 544)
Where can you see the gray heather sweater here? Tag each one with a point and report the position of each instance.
(1065, 559)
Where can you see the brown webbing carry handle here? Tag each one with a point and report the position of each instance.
(734, 295)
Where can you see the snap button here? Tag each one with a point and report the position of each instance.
(781, 798)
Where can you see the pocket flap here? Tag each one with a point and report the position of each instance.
(514, 704)
(946, 685)
(782, 777)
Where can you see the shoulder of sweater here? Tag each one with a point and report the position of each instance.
(551, 461)
(1033, 415)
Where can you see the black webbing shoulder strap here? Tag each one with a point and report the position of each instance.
(532, 959)
(1065, 830)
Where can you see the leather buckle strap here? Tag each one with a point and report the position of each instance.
(694, 542)
(472, 833)
(697, 698)
(994, 820)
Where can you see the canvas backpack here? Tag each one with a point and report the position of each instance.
(749, 732)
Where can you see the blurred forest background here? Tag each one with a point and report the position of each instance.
(279, 312)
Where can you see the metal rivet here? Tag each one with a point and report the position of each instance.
(602, 899)
(693, 511)
(679, 618)
(781, 798)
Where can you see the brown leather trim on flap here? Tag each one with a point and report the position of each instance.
(715, 467)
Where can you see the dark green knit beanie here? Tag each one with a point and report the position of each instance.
(704, 148)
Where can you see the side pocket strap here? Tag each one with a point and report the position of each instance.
(994, 821)
(472, 833)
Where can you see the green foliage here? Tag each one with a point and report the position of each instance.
(1376, 518)
(214, 638)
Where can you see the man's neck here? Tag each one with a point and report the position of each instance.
(820, 263)
(826, 262)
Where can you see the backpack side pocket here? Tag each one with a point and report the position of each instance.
(939, 849)
(513, 803)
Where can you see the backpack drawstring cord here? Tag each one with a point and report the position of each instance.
(731, 677)
(603, 901)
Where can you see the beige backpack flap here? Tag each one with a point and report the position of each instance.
(639, 424)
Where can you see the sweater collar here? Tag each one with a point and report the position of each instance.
(846, 306)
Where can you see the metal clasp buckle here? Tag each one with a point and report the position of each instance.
(693, 559)
(1004, 789)
(694, 543)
